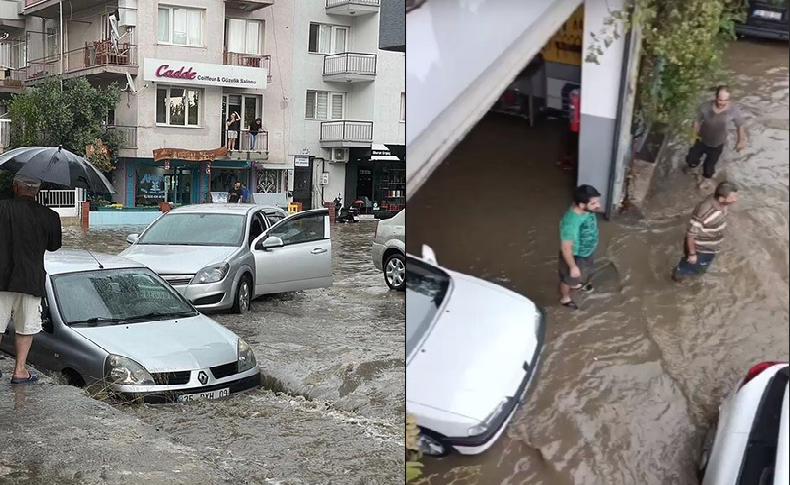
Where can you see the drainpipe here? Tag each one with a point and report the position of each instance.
(617, 156)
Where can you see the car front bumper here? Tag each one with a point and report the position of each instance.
(472, 445)
(378, 256)
(169, 394)
(209, 297)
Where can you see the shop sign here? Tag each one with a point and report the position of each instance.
(300, 161)
(198, 74)
(152, 186)
(167, 154)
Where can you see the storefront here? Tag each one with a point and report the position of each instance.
(376, 177)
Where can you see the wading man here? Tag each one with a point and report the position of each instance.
(27, 230)
(710, 130)
(705, 232)
(578, 240)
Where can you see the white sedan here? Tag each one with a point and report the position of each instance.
(472, 349)
(750, 443)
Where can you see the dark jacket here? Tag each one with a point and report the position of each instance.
(255, 127)
(27, 230)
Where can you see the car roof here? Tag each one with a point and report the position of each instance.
(240, 209)
(65, 261)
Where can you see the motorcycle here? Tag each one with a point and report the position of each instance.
(344, 214)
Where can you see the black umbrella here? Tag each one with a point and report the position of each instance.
(55, 165)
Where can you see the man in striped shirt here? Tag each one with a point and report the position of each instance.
(705, 232)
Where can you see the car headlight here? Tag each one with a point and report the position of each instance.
(246, 357)
(486, 424)
(124, 371)
(211, 274)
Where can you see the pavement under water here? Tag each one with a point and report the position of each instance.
(330, 411)
(630, 383)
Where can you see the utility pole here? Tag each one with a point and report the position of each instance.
(62, 68)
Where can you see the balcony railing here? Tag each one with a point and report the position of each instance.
(249, 60)
(95, 54)
(337, 3)
(11, 78)
(350, 63)
(245, 143)
(349, 131)
(128, 135)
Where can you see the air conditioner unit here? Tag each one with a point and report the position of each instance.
(339, 155)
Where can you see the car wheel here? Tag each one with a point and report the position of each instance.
(431, 444)
(395, 272)
(243, 299)
(707, 447)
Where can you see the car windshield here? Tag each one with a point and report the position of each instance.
(128, 295)
(426, 289)
(196, 229)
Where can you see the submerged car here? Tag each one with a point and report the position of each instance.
(389, 250)
(222, 256)
(472, 349)
(751, 442)
(768, 19)
(113, 324)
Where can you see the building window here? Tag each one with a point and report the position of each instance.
(269, 181)
(323, 105)
(180, 26)
(403, 106)
(51, 42)
(177, 106)
(327, 39)
(244, 36)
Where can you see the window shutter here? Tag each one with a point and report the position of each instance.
(322, 109)
(337, 106)
(309, 112)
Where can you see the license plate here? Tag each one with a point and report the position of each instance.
(767, 14)
(204, 395)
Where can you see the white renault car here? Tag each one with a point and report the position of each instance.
(472, 349)
(749, 445)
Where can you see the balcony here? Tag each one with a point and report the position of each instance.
(349, 67)
(249, 5)
(346, 134)
(245, 150)
(127, 134)
(249, 60)
(352, 8)
(51, 8)
(98, 59)
(11, 80)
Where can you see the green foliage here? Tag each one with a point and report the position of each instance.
(683, 43)
(413, 466)
(74, 117)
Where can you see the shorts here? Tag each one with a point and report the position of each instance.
(704, 260)
(233, 134)
(585, 265)
(26, 311)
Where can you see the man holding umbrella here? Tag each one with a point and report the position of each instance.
(27, 230)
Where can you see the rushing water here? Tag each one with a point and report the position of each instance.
(331, 410)
(629, 384)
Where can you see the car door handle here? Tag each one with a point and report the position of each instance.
(318, 251)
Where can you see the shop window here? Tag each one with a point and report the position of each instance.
(177, 106)
(269, 182)
(327, 39)
(151, 188)
(323, 105)
(180, 26)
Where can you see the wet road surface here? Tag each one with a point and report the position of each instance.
(331, 410)
(628, 385)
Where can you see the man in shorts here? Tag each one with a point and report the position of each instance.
(578, 240)
(705, 232)
(27, 230)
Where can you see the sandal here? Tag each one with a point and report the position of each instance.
(30, 379)
(570, 304)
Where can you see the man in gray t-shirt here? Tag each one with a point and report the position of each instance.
(711, 127)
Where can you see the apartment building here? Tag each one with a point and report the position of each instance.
(311, 70)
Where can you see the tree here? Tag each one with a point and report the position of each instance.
(74, 117)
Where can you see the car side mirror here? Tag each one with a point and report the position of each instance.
(428, 255)
(132, 238)
(270, 243)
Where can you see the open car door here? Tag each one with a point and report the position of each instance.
(295, 254)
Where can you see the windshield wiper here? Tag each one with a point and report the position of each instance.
(153, 315)
(97, 320)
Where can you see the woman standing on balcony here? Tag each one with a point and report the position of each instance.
(233, 130)
(255, 127)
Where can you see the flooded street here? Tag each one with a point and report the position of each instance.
(331, 408)
(628, 385)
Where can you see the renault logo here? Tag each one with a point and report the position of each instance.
(203, 377)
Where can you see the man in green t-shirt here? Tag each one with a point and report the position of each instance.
(578, 240)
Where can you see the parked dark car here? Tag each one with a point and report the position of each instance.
(767, 19)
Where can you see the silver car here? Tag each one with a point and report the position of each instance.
(113, 324)
(222, 256)
(389, 250)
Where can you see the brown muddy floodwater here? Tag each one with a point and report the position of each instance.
(332, 407)
(629, 384)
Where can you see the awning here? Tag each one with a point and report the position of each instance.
(274, 166)
(381, 153)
